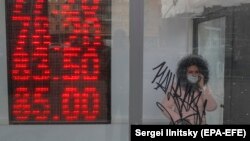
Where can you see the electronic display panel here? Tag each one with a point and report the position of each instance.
(59, 61)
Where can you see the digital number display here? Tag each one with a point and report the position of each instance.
(59, 61)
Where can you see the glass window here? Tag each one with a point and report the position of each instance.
(199, 43)
(115, 56)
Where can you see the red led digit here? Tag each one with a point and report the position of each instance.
(21, 107)
(69, 54)
(41, 109)
(71, 104)
(90, 103)
(91, 23)
(20, 66)
(71, 22)
(18, 6)
(91, 65)
(40, 42)
(92, 26)
(38, 7)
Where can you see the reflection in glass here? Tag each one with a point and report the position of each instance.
(211, 45)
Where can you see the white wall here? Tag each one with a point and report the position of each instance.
(118, 130)
(165, 40)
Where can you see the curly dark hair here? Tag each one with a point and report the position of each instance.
(188, 61)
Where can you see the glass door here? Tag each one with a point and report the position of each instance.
(211, 45)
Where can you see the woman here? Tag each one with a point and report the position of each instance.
(187, 101)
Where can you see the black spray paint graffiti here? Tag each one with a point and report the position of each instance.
(164, 77)
(183, 100)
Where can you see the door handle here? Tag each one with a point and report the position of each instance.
(222, 105)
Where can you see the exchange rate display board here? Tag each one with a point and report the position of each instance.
(59, 61)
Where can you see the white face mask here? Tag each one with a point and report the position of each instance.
(192, 79)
